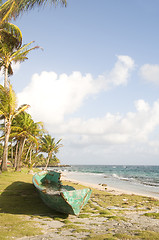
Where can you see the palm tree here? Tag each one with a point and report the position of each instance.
(8, 111)
(10, 34)
(49, 146)
(13, 8)
(24, 129)
(9, 54)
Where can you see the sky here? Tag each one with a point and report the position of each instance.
(95, 84)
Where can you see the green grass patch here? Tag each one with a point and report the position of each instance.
(70, 226)
(105, 199)
(101, 237)
(124, 236)
(84, 230)
(147, 235)
(84, 216)
(66, 221)
(16, 226)
(153, 215)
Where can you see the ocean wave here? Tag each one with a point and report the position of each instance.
(121, 178)
(151, 184)
(139, 180)
(86, 173)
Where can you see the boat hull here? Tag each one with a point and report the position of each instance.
(60, 198)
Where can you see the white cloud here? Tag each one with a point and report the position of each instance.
(52, 98)
(119, 75)
(141, 105)
(114, 129)
(150, 73)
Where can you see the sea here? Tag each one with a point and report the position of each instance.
(142, 180)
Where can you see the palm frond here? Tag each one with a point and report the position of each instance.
(21, 109)
(14, 8)
(21, 53)
(11, 33)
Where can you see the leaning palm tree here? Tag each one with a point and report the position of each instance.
(49, 146)
(8, 111)
(9, 54)
(14, 8)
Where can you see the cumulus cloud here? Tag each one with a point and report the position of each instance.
(150, 73)
(53, 97)
(115, 128)
(120, 74)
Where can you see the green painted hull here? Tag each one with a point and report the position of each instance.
(61, 198)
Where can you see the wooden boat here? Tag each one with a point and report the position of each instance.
(61, 198)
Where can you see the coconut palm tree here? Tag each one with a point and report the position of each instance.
(14, 8)
(24, 129)
(49, 146)
(8, 111)
(9, 54)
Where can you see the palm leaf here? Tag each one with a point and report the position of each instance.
(13, 8)
(21, 109)
(12, 33)
(20, 54)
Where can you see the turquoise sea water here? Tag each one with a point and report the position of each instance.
(138, 179)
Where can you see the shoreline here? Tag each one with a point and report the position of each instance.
(105, 187)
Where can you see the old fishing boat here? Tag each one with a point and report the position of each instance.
(62, 198)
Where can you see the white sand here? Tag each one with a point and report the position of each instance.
(116, 191)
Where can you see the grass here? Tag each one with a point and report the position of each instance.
(125, 236)
(16, 226)
(153, 215)
(107, 236)
(147, 235)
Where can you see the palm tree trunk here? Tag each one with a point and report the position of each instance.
(21, 146)
(47, 162)
(28, 152)
(12, 152)
(16, 155)
(30, 160)
(5, 150)
(7, 131)
(6, 78)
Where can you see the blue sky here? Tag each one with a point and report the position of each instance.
(96, 83)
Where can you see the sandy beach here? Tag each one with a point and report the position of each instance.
(104, 187)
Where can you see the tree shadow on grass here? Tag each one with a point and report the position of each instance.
(22, 198)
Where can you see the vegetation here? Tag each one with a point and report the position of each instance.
(12, 33)
(10, 53)
(49, 146)
(26, 136)
(8, 110)
(13, 8)
(25, 130)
